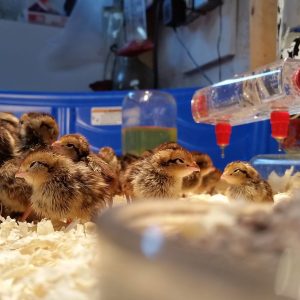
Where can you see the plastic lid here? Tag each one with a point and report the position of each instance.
(223, 133)
(199, 107)
(296, 79)
(280, 124)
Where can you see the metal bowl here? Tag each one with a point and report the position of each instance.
(139, 263)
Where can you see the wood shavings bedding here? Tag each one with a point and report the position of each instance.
(38, 262)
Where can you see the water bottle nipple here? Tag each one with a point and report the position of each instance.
(279, 141)
(223, 132)
(222, 151)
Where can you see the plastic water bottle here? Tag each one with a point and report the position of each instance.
(250, 97)
(272, 91)
(148, 119)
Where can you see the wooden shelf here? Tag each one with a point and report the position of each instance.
(263, 32)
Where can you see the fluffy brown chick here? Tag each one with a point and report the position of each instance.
(9, 136)
(159, 175)
(194, 182)
(76, 147)
(37, 130)
(10, 122)
(126, 160)
(245, 183)
(212, 183)
(109, 156)
(62, 189)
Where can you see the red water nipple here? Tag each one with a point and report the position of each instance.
(280, 124)
(223, 133)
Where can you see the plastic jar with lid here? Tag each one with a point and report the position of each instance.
(148, 119)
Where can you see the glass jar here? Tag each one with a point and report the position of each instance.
(148, 119)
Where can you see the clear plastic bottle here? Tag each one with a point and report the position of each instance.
(148, 119)
(250, 97)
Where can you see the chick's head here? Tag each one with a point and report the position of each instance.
(40, 166)
(7, 118)
(167, 145)
(74, 146)
(38, 128)
(177, 162)
(239, 172)
(204, 162)
(107, 153)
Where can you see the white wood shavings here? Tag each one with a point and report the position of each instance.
(278, 183)
(218, 198)
(38, 262)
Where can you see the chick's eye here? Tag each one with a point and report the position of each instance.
(33, 164)
(47, 126)
(70, 145)
(175, 161)
(179, 161)
(236, 171)
(39, 165)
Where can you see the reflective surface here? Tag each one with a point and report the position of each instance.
(140, 263)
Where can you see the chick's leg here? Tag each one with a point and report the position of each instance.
(26, 213)
(128, 198)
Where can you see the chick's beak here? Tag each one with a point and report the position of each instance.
(56, 145)
(224, 176)
(193, 167)
(20, 174)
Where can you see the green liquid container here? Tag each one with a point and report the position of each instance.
(148, 119)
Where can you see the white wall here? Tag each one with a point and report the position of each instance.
(201, 38)
(23, 69)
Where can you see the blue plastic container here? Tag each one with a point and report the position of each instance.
(75, 112)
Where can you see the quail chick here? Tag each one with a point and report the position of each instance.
(9, 136)
(126, 160)
(163, 146)
(194, 182)
(158, 175)
(37, 130)
(10, 122)
(76, 147)
(245, 183)
(212, 183)
(62, 189)
(109, 156)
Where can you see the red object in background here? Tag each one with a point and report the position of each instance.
(135, 48)
(223, 133)
(292, 143)
(280, 124)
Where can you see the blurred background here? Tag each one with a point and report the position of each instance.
(58, 45)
